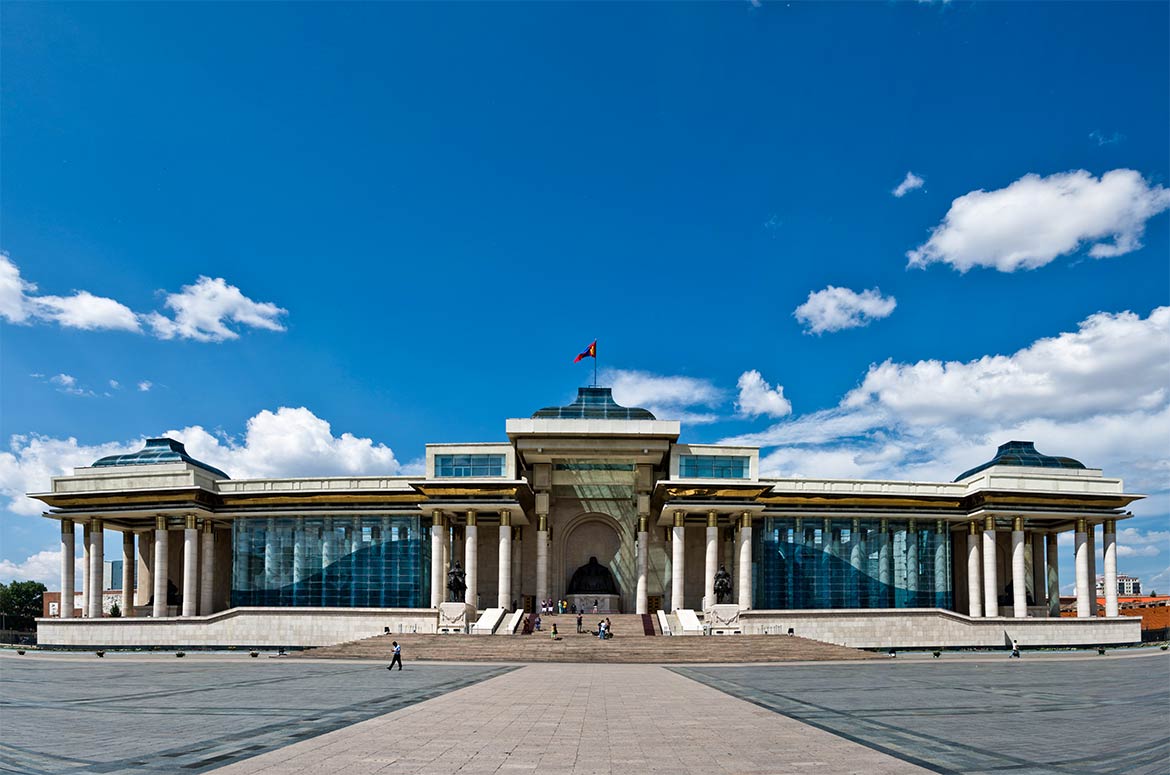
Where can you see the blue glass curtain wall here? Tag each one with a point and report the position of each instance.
(380, 562)
(844, 563)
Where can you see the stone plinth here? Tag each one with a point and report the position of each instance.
(722, 619)
(606, 604)
(455, 618)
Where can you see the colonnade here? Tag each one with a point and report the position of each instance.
(507, 567)
(741, 554)
(198, 577)
(982, 569)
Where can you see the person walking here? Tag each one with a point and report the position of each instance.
(397, 657)
(1015, 649)
(579, 618)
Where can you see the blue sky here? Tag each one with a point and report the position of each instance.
(311, 239)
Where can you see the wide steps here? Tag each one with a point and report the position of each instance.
(633, 647)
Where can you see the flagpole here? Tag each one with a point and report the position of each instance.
(595, 364)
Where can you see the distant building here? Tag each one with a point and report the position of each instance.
(1127, 586)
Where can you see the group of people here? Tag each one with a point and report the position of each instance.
(553, 607)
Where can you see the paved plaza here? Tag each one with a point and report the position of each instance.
(1046, 713)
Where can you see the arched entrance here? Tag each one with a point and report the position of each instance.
(594, 535)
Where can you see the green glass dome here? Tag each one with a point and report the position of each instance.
(162, 450)
(594, 403)
(1024, 455)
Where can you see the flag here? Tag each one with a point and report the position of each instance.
(590, 352)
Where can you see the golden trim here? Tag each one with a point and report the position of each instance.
(973, 528)
(989, 523)
(542, 523)
(208, 526)
(1017, 523)
(712, 519)
(746, 520)
(472, 518)
(1081, 523)
(189, 522)
(67, 527)
(160, 523)
(680, 518)
(1111, 526)
(505, 519)
(643, 524)
(95, 524)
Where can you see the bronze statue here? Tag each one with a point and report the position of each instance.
(456, 583)
(592, 578)
(722, 584)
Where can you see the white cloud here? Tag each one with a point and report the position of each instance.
(82, 310)
(67, 383)
(287, 442)
(667, 397)
(908, 184)
(145, 385)
(757, 397)
(1099, 394)
(834, 309)
(203, 310)
(115, 384)
(44, 566)
(1104, 139)
(1035, 219)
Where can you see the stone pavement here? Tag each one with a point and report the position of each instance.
(128, 713)
(567, 719)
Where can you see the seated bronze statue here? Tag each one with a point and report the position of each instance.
(593, 578)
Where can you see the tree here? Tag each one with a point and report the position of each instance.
(21, 603)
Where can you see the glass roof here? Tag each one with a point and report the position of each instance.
(1024, 454)
(594, 403)
(162, 450)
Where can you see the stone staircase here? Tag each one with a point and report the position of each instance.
(629, 645)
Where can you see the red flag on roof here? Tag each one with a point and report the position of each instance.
(590, 352)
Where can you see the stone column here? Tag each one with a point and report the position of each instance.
(541, 559)
(471, 560)
(1038, 586)
(1019, 576)
(1092, 540)
(678, 555)
(711, 559)
(1110, 560)
(941, 569)
(730, 550)
(518, 566)
(504, 583)
(1084, 586)
(912, 562)
(145, 568)
(207, 571)
(190, 566)
(885, 558)
(86, 567)
(1052, 560)
(127, 573)
(68, 570)
(857, 562)
(437, 576)
(641, 601)
(990, 571)
(974, 571)
(159, 607)
(97, 569)
(745, 561)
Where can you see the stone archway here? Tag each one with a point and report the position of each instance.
(594, 535)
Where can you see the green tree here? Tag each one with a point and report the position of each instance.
(20, 604)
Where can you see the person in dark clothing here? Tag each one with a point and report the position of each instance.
(579, 618)
(397, 657)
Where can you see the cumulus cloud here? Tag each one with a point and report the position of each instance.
(44, 566)
(686, 399)
(145, 385)
(834, 309)
(82, 310)
(1035, 219)
(287, 442)
(67, 383)
(908, 184)
(757, 397)
(1100, 394)
(203, 310)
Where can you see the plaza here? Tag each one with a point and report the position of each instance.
(601, 506)
(971, 713)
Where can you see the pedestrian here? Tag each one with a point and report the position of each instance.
(608, 628)
(579, 618)
(601, 630)
(1015, 649)
(594, 606)
(554, 632)
(397, 657)
(538, 622)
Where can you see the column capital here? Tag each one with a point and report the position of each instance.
(680, 518)
(855, 525)
(712, 519)
(989, 524)
(67, 526)
(912, 526)
(1110, 526)
(973, 528)
(827, 525)
(437, 518)
(746, 520)
(1017, 523)
(542, 523)
(160, 523)
(191, 522)
(884, 525)
(95, 524)
(505, 519)
(643, 523)
(940, 526)
(472, 518)
(1081, 525)
(208, 526)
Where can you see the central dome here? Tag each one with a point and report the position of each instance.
(594, 403)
